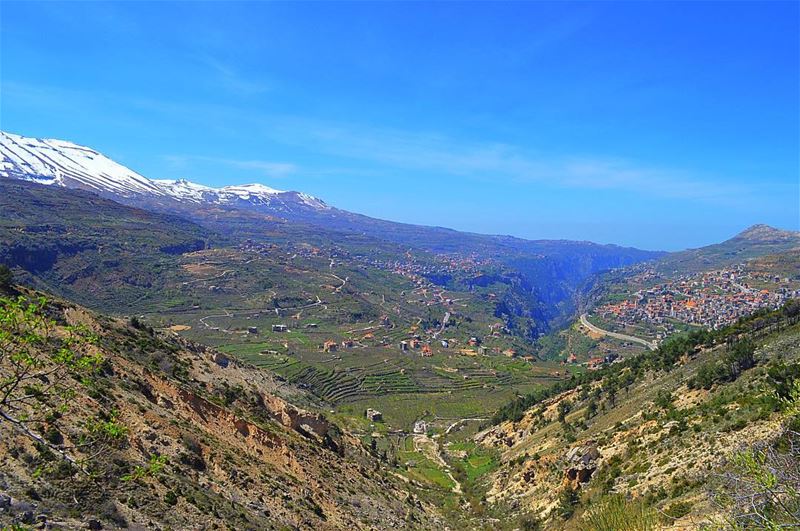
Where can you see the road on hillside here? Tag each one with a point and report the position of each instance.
(624, 337)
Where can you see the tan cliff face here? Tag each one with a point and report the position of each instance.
(247, 459)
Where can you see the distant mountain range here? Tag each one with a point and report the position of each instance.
(62, 163)
(549, 272)
(549, 276)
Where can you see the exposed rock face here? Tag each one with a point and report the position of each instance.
(583, 455)
(220, 359)
(529, 475)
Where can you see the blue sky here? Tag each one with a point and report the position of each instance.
(654, 124)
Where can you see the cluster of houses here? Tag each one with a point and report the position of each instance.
(712, 299)
(441, 266)
(333, 346)
(416, 343)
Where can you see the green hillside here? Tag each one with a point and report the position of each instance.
(662, 430)
(758, 240)
(91, 250)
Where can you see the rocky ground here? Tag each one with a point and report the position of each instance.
(205, 443)
(637, 445)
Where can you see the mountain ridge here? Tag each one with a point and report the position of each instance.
(64, 163)
(767, 233)
(21, 161)
(550, 271)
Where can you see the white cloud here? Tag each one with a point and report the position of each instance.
(232, 80)
(270, 169)
(384, 151)
(437, 154)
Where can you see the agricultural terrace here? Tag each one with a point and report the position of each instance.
(335, 328)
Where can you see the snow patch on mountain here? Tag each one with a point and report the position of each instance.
(246, 191)
(183, 190)
(50, 161)
(61, 163)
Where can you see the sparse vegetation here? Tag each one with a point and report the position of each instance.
(568, 500)
(615, 513)
(6, 277)
(761, 487)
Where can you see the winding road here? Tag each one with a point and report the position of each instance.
(226, 314)
(624, 337)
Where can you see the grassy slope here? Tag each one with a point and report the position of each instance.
(233, 458)
(89, 249)
(663, 452)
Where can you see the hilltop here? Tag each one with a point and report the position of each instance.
(766, 234)
(754, 241)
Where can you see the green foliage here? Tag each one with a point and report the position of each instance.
(529, 523)
(107, 428)
(740, 357)
(153, 468)
(760, 488)
(663, 399)
(591, 409)
(564, 407)
(615, 513)
(676, 510)
(620, 375)
(782, 377)
(171, 498)
(40, 370)
(551, 346)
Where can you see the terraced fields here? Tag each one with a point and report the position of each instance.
(396, 376)
(233, 299)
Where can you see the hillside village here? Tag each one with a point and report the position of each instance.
(425, 293)
(710, 299)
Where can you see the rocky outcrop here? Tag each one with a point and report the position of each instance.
(581, 463)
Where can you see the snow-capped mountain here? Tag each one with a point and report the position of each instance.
(49, 161)
(62, 163)
(243, 195)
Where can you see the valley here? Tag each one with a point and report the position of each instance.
(331, 370)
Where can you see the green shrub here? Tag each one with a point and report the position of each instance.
(675, 511)
(170, 498)
(529, 523)
(615, 513)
